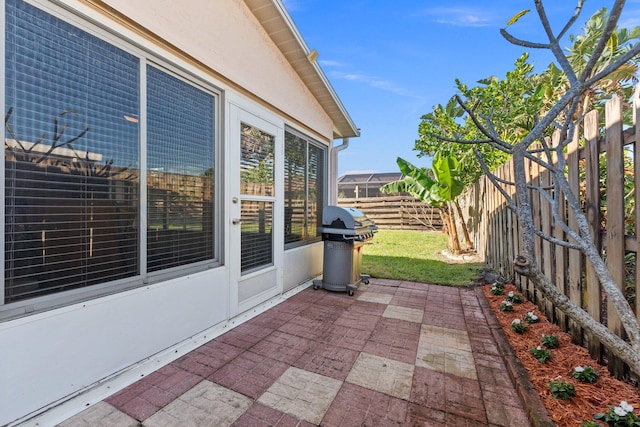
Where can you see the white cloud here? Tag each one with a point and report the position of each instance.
(291, 5)
(461, 17)
(329, 63)
(374, 82)
(630, 18)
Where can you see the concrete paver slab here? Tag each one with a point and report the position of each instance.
(100, 415)
(206, 404)
(375, 297)
(446, 350)
(304, 394)
(359, 406)
(382, 374)
(404, 313)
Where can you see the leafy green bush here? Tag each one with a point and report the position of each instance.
(619, 416)
(497, 289)
(540, 354)
(531, 317)
(506, 306)
(561, 390)
(585, 374)
(550, 341)
(518, 326)
(514, 298)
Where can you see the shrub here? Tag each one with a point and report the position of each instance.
(585, 374)
(540, 354)
(497, 290)
(550, 341)
(506, 306)
(518, 326)
(514, 298)
(619, 416)
(531, 317)
(561, 390)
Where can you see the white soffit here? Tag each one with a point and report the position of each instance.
(276, 21)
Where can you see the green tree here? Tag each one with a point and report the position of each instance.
(602, 63)
(439, 188)
(510, 104)
(620, 82)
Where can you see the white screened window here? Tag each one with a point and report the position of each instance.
(257, 177)
(304, 186)
(180, 172)
(73, 171)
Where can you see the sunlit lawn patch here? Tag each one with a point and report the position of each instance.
(415, 256)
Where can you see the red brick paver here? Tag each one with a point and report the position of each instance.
(320, 337)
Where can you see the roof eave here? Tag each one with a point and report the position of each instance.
(279, 25)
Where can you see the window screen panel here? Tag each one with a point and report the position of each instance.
(315, 184)
(295, 208)
(256, 236)
(305, 178)
(256, 161)
(180, 195)
(71, 157)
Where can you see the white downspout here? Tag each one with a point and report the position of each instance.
(333, 168)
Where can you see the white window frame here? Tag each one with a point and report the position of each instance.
(147, 56)
(325, 150)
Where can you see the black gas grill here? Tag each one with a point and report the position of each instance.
(344, 232)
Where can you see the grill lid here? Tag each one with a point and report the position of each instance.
(346, 221)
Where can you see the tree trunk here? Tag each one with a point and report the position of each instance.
(452, 231)
(465, 230)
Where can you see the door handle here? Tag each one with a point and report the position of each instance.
(236, 221)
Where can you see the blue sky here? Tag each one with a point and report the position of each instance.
(390, 62)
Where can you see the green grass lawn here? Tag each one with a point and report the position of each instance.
(415, 256)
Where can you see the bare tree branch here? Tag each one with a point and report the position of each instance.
(554, 44)
(519, 42)
(572, 20)
(555, 240)
(510, 202)
(633, 52)
(497, 141)
(459, 140)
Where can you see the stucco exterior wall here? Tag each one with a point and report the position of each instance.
(70, 353)
(302, 263)
(225, 36)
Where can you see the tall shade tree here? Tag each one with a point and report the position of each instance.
(510, 104)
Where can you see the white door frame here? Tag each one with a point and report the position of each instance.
(250, 289)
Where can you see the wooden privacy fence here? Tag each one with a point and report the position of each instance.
(602, 173)
(397, 212)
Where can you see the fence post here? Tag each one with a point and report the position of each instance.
(592, 207)
(536, 208)
(511, 235)
(546, 254)
(560, 252)
(615, 215)
(575, 256)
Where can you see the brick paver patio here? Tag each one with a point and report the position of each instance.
(394, 354)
